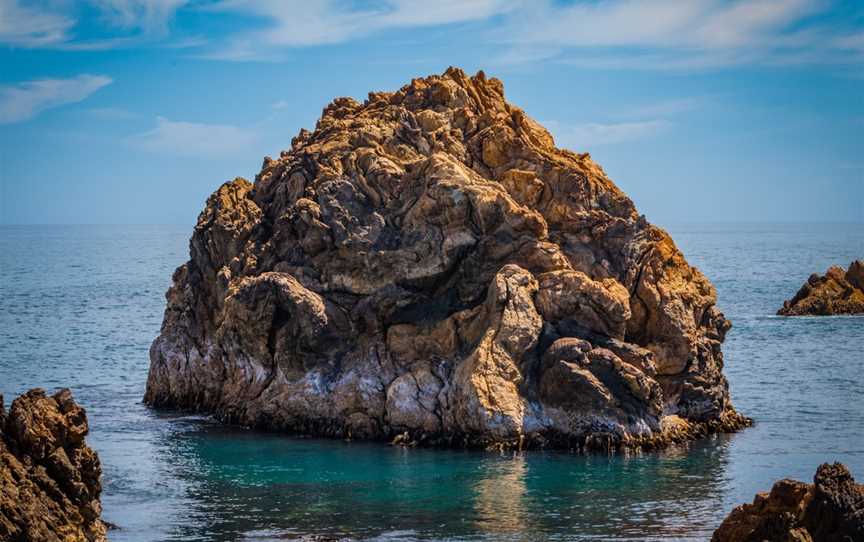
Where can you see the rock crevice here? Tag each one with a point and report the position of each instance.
(429, 263)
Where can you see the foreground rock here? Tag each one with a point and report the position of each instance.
(837, 292)
(49, 477)
(831, 509)
(428, 266)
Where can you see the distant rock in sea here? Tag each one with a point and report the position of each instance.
(427, 267)
(831, 509)
(837, 292)
(49, 478)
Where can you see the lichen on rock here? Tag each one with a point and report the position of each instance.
(428, 265)
(838, 291)
(50, 480)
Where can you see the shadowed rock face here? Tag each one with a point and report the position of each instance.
(49, 477)
(829, 510)
(428, 265)
(837, 292)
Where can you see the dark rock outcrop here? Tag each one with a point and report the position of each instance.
(428, 266)
(829, 510)
(837, 292)
(49, 478)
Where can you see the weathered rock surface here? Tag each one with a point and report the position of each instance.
(837, 292)
(829, 510)
(428, 266)
(49, 478)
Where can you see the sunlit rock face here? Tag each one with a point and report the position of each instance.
(428, 266)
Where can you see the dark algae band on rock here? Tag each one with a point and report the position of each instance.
(837, 292)
(427, 266)
(50, 480)
(829, 510)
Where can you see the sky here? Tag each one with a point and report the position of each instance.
(134, 111)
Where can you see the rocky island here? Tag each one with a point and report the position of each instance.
(839, 291)
(427, 267)
(830, 509)
(50, 480)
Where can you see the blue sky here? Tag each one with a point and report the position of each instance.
(133, 111)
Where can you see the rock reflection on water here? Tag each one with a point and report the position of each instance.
(500, 496)
(239, 484)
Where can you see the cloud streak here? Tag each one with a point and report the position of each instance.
(581, 137)
(23, 101)
(194, 139)
(679, 34)
(150, 16)
(22, 26)
(299, 23)
(52, 25)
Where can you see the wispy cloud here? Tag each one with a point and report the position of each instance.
(682, 35)
(149, 16)
(23, 26)
(679, 34)
(581, 137)
(25, 100)
(52, 24)
(641, 121)
(195, 139)
(300, 23)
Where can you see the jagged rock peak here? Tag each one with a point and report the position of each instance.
(428, 266)
(50, 480)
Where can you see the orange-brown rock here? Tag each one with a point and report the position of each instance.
(829, 510)
(427, 265)
(49, 478)
(839, 291)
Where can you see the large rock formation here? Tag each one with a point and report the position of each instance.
(49, 477)
(829, 510)
(427, 265)
(837, 292)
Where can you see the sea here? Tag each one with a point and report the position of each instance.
(79, 306)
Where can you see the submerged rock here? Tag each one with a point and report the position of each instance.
(49, 478)
(837, 292)
(428, 266)
(831, 509)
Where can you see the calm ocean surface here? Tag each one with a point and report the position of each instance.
(79, 306)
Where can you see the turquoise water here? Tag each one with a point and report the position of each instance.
(79, 306)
